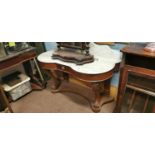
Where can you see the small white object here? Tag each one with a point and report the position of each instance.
(20, 88)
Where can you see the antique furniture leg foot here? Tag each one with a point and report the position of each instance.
(56, 85)
(102, 97)
(96, 107)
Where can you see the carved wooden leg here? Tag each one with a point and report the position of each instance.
(96, 106)
(56, 80)
(101, 95)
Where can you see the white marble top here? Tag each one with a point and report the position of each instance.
(105, 60)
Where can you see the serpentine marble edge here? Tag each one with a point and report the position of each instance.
(105, 60)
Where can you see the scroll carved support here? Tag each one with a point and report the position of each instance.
(102, 92)
(56, 80)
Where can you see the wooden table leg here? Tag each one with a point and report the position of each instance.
(38, 83)
(5, 100)
(96, 107)
(101, 97)
(39, 70)
(56, 80)
(121, 90)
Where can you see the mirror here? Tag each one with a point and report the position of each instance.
(75, 52)
(74, 45)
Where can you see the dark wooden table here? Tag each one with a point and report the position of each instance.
(99, 82)
(24, 58)
(136, 61)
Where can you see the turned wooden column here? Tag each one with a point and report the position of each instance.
(96, 106)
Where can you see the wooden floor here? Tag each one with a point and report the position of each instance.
(46, 102)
